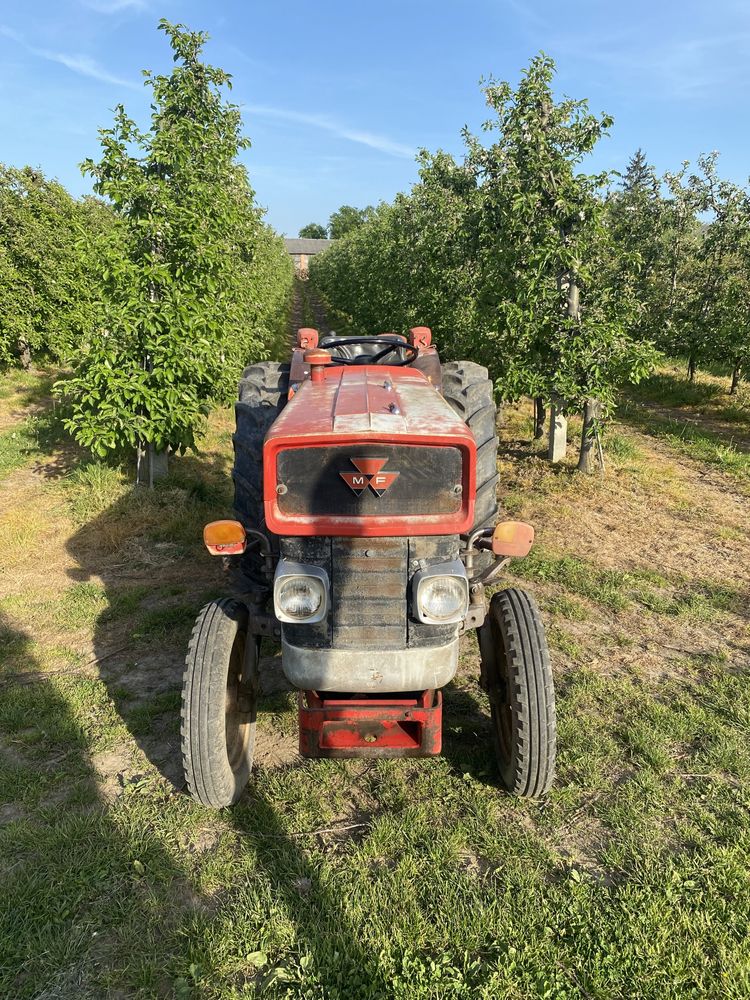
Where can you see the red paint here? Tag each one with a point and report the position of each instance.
(307, 337)
(317, 359)
(420, 336)
(370, 466)
(370, 727)
(369, 404)
(368, 474)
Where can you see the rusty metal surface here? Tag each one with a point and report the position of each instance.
(334, 726)
(335, 480)
(369, 593)
(358, 581)
(368, 405)
(369, 670)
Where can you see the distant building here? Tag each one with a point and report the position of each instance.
(302, 249)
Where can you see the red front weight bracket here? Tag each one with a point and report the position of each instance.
(341, 726)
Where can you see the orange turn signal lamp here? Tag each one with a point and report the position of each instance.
(224, 538)
(512, 539)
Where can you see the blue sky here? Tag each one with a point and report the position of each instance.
(337, 96)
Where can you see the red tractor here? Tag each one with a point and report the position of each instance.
(365, 482)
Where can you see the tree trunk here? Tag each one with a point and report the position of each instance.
(691, 368)
(591, 413)
(151, 465)
(736, 376)
(540, 416)
(24, 353)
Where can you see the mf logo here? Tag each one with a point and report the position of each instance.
(369, 473)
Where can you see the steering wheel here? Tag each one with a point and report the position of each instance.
(373, 359)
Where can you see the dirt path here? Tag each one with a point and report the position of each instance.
(307, 310)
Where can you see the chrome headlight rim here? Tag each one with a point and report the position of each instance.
(289, 572)
(454, 571)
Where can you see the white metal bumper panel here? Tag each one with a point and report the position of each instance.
(362, 671)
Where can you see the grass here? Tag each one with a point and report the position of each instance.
(404, 879)
(698, 419)
(671, 388)
(25, 440)
(616, 590)
(698, 444)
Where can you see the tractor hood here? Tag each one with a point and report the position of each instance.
(369, 451)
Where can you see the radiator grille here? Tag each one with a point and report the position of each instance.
(315, 481)
(370, 591)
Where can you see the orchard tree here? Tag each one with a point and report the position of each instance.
(719, 320)
(313, 231)
(184, 311)
(546, 306)
(412, 262)
(346, 219)
(49, 248)
(635, 216)
(679, 275)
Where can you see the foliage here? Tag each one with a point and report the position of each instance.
(546, 294)
(346, 219)
(506, 256)
(720, 320)
(413, 259)
(50, 243)
(202, 284)
(691, 250)
(636, 219)
(313, 231)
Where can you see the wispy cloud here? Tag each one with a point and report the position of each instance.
(382, 143)
(82, 64)
(673, 68)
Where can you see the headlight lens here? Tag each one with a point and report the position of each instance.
(300, 597)
(442, 598)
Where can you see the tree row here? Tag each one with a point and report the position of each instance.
(566, 285)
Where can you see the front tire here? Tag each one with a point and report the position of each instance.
(219, 700)
(517, 675)
(470, 392)
(263, 393)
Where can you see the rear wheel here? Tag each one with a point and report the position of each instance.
(469, 390)
(219, 699)
(263, 394)
(517, 676)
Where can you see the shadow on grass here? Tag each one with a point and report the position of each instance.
(669, 389)
(75, 879)
(468, 744)
(154, 546)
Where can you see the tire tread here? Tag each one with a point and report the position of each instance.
(531, 689)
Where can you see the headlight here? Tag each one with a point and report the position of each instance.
(300, 593)
(440, 594)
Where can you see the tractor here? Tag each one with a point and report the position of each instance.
(364, 540)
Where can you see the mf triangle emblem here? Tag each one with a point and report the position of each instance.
(369, 473)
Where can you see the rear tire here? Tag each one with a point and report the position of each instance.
(263, 394)
(517, 676)
(469, 390)
(219, 700)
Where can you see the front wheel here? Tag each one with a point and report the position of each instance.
(517, 676)
(219, 700)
